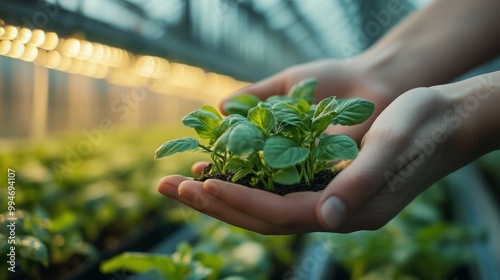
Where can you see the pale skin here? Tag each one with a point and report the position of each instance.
(418, 134)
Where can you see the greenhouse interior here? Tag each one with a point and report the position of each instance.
(93, 93)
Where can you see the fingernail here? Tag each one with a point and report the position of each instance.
(333, 211)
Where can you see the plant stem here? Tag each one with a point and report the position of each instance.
(218, 159)
(205, 148)
(311, 159)
(224, 159)
(270, 183)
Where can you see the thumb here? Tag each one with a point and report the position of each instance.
(354, 187)
(274, 85)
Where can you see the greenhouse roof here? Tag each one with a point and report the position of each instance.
(264, 35)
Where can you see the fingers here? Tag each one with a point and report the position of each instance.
(245, 207)
(168, 185)
(293, 211)
(355, 186)
(274, 85)
(191, 193)
(199, 166)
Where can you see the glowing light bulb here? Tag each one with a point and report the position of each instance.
(53, 59)
(37, 38)
(106, 57)
(16, 50)
(24, 35)
(85, 50)
(113, 57)
(51, 41)
(71, 47)
(177, 73)
(125, 59)
(145, 66)
(97, 53)
(5, 46)
(30, 53)
(10, 32)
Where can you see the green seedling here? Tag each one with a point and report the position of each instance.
(279, 140)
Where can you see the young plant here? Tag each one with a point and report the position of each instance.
(279, 140)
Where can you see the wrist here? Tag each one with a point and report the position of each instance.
(474, 114)
(385, 69)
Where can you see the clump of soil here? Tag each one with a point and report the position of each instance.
(319, 183)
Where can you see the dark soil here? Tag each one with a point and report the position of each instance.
(319, 183)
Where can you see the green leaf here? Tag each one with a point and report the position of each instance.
(176, 146)
(277, 99)
(304, 90)
(228, 122)
(303, 106)
(139, 263)
(282, 152)
(321, 123)
(287, 176)
(204, 122)
(326, 106)
(262, 117)
(242, 139)
(241, 104)
(236, 119)
(84, 249)
(312, 109)
(32, 248)
(353, 111)
(240, 174)
(184, 252)
(212, 110)
(336, 147)
(214, 262)
(63, 222)
(287, 114)
(235, 164)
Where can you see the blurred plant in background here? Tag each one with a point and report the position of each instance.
(112, 191)
(106, 194)
(420, 243)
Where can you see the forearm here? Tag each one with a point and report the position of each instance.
(435, 45)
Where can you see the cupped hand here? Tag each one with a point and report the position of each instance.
(340, 78)
(413, 143)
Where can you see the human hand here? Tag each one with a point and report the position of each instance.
(342, 78)
(422, 136)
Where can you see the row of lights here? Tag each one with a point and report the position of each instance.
(116, 65)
